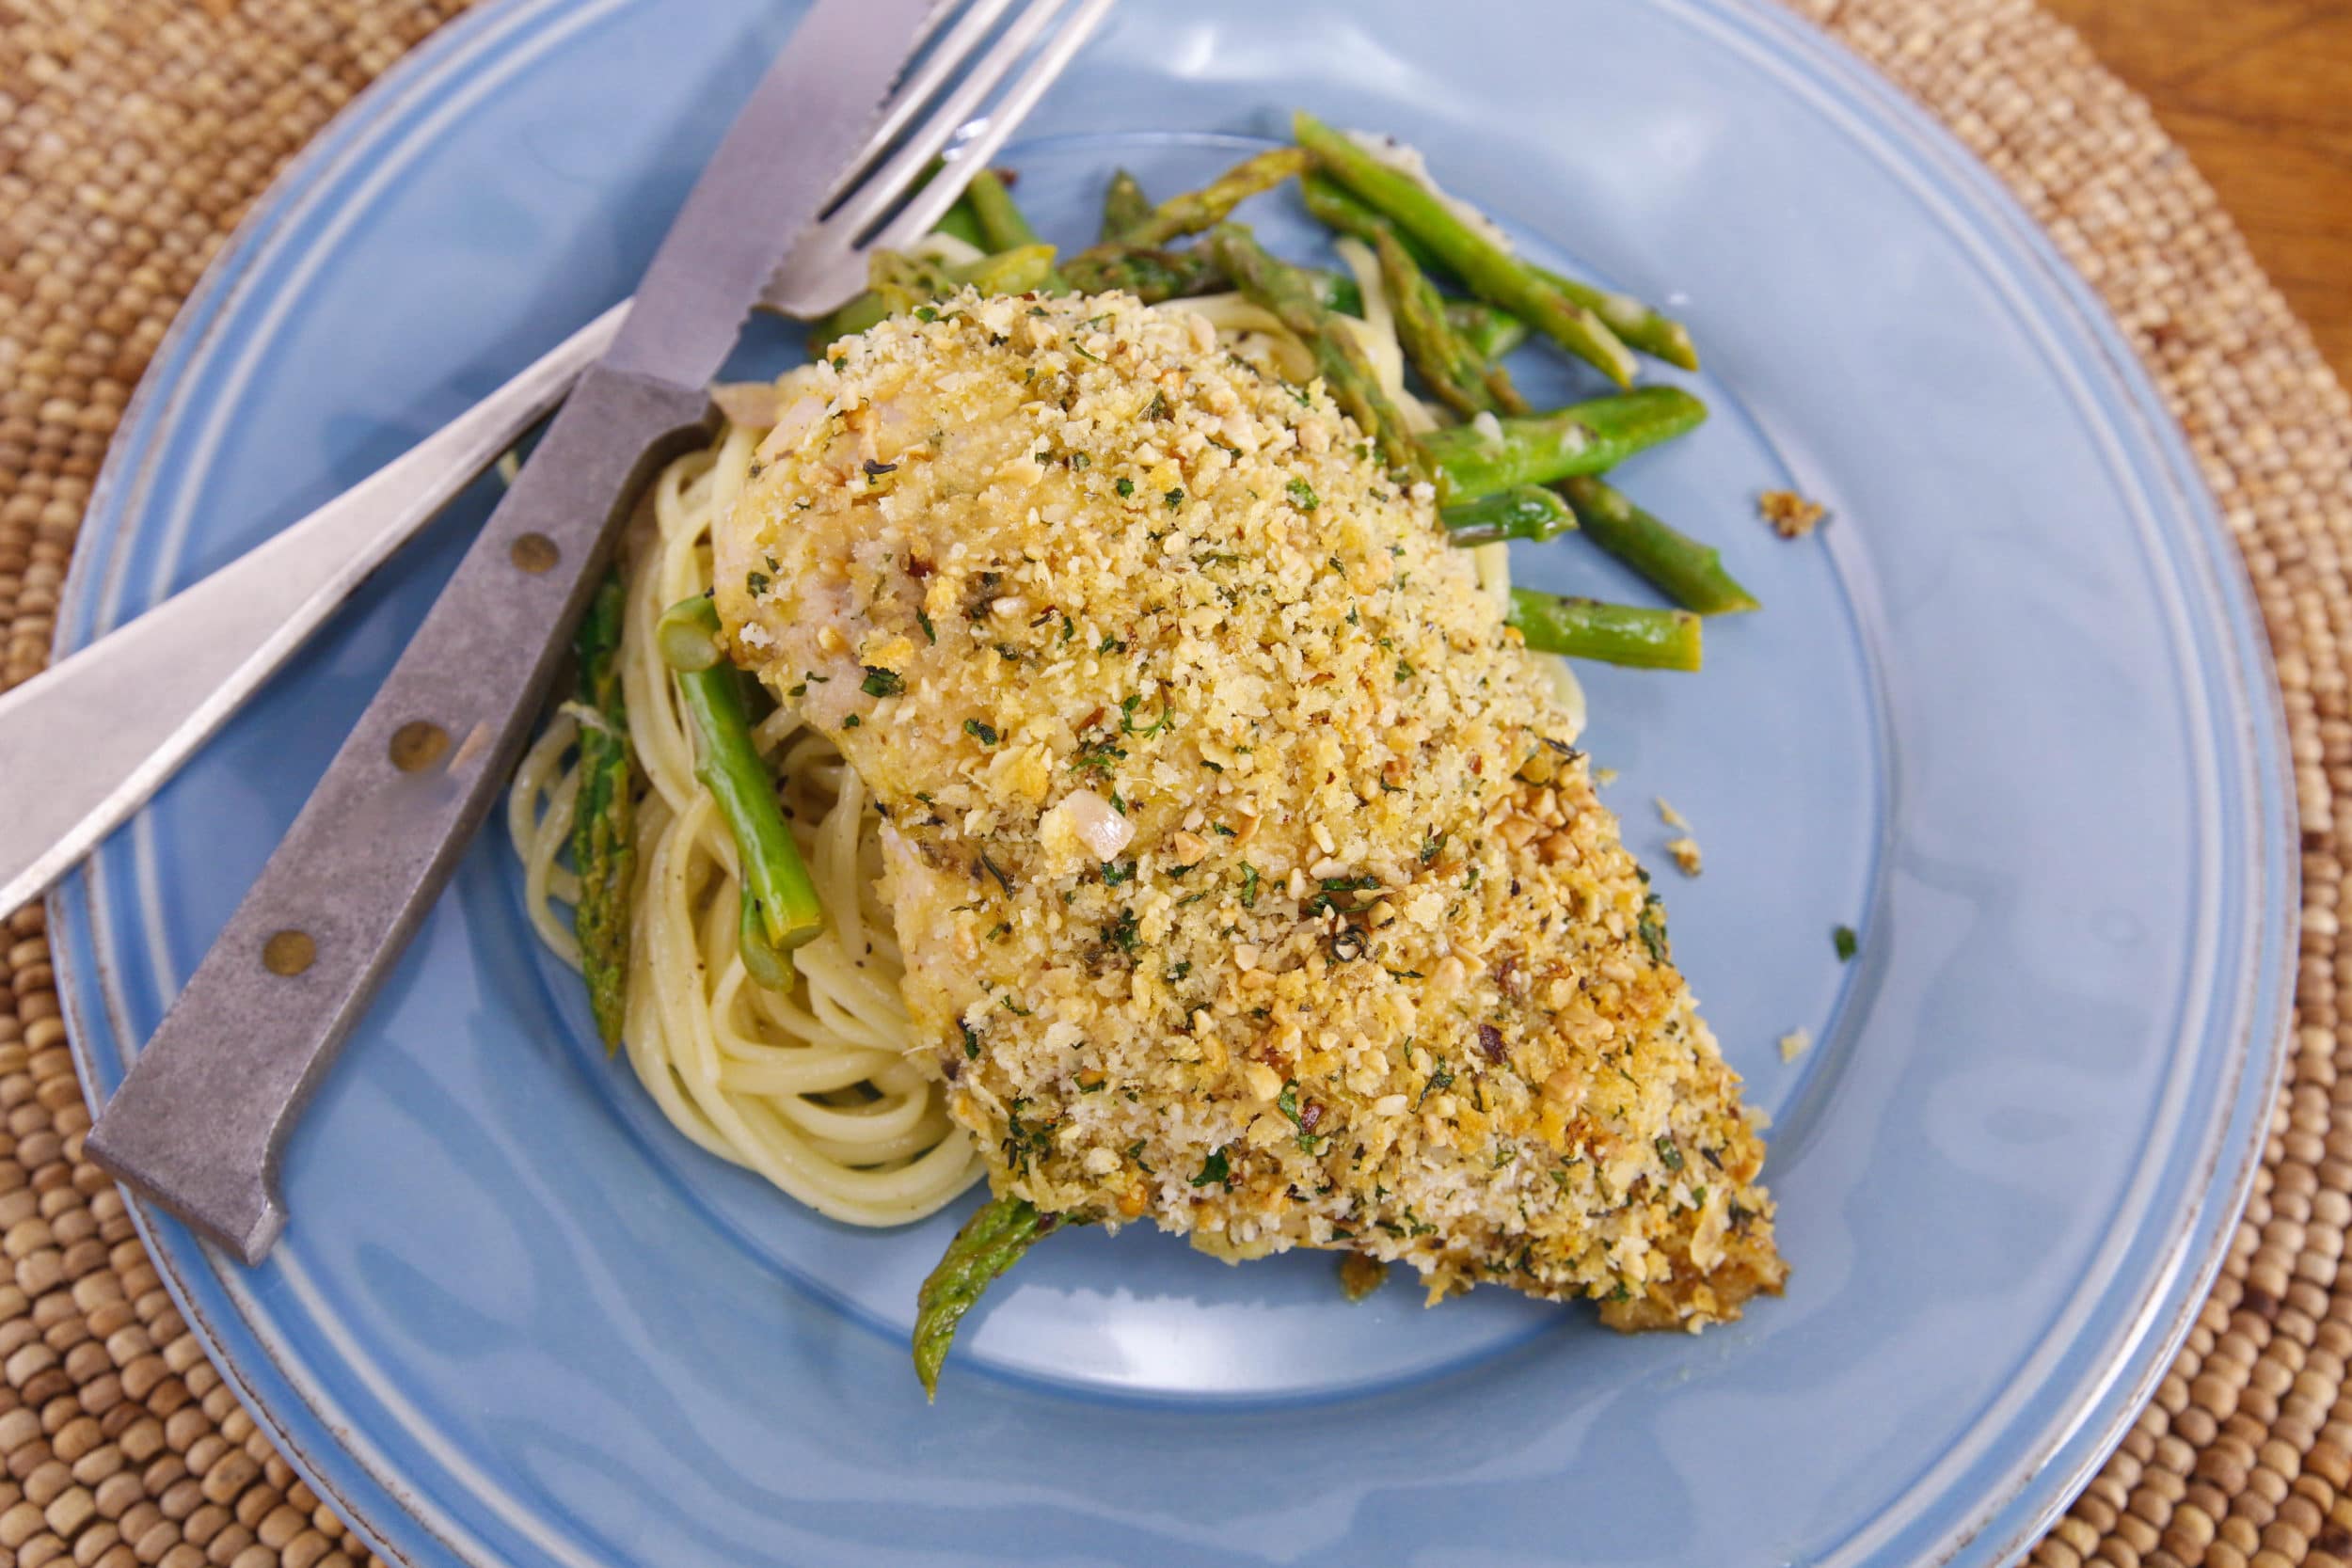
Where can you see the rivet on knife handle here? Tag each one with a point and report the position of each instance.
(199, 1121)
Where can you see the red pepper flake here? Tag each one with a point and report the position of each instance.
(1490, 1041)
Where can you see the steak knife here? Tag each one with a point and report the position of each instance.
(200, 1120)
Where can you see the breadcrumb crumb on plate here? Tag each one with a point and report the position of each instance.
(1792, 515)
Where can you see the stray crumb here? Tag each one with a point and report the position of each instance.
(1686, 853)
(1604, 775)
(1670, 817)
(1795, 1043)
(1848, 945)
(1792, 515)
(1361, 1275)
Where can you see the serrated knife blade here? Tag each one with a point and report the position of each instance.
(199, 1119)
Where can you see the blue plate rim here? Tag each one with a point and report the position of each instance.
(2008, 1518)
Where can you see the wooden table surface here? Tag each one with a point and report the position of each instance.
(2259, 93)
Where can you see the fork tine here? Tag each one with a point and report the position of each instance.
(874, 196)
(930, 204)
(963, 40)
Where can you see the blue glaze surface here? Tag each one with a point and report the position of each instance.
(2009, 716)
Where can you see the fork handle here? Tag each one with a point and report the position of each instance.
(200, 1118)
(127, 710)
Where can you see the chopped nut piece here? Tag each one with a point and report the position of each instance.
(1795, 1043)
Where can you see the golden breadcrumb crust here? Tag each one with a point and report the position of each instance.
(1245, 879)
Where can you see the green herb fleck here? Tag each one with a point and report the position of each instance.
(1248, 886)
(1126, 486)
(1214, 1168)
(1847, 942)
(1303, 495)
(1668, 1155)
(1125, 933)
(983, 733)
(1651, 928)
(881, 683)
(755, 582)
(929, 634)
(1127, 725)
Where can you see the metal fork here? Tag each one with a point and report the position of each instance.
(127, 710)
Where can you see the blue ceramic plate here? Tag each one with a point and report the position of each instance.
(2007, 715)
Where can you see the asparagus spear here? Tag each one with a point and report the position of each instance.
(991, 1242)
(780, 908)
(1611, 633)
(1460, 376)
(903, 283)
(961, 222)
(1582, 439)
(604, 817)
(1124, 205)
(1157, 276)
(1493, 333)
(1291, 294)
(1196, 210)
(1522, 512)
(1686, 571)
(1489, 271)
(1002, 226)
(1637, 324)
(1150, 275)
(1338, 208)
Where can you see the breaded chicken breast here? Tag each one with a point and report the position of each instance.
(1247, 881)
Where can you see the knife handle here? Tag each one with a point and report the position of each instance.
(199, 1119)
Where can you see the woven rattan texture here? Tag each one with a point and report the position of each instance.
(135, 132)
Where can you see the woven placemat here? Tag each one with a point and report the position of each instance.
(133, 134)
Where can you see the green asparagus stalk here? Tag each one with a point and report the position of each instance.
(961, 222)
(1338, 290)
(604, 815)
(1002, 226)
(1522, 512)
(780, 910)
(1341, 210)
(1635, 323)
(1686, 571)
(1124, 205)
(1196, 211)
(903, 283)
(1611, 633)
(1458, 373)
(1157, 276)
(1542, 449)
(1490, 272)
(1493, 333)
(1291, 295)
(1007, 272)
(1150, 275)
(991, 1242)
